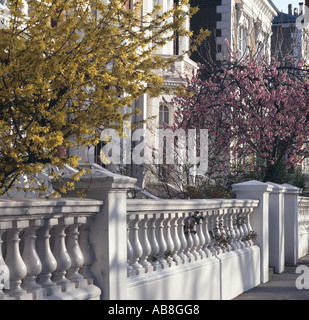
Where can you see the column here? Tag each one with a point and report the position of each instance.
(276, 227)
(291, 223)
(108, 232)
(259, 218)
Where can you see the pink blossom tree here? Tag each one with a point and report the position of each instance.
(256, 111)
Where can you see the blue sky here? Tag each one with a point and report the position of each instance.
(282, 5)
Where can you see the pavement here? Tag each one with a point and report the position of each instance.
(281, 286)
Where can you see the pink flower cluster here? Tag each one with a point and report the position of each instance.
(252, 109)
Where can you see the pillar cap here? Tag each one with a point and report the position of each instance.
(99, 178)
(278, 188)
(252, 186)
(292, 189)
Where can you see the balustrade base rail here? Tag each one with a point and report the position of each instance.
(221, 277)
(45, 251)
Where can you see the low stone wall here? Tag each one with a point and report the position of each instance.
(194, 249)
(44, 249)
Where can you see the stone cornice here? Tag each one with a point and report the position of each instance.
(259, 9)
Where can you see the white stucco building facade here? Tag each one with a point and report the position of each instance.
(155, 111)
(246, 25)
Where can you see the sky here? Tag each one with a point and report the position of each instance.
(282, 5)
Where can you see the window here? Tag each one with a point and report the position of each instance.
(242, 40)
(164, 116)
(176, 42)
(163, 119)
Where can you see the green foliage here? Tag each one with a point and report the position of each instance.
(207, 191)
(191, 222)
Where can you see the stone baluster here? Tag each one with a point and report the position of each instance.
(218, 231)
(237, 223)
(60, 253)
(135, 243)
(300, 216)
(200, 234)
(32, 261)
(161, 240)
(130, 270)
(168, 239)
(14, 261)
(195, 240)
(222, 232)
(3, 267)
(4, 270)
(143, 236)
(226, 229)
(75, 252)
(175, 237)
(306, 220)
(251, 231)
(93, 292)
(48, 261)
(207, 236)
(302, 219)
(153, 243)
(243, 215)
(182, 238)
(189, 240)
(230, 222)
(213, 230)
(240, 228)
(248, 225)
(87, 250)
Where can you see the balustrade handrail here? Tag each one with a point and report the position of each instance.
(140, 205)
(33, 206)
(303, 200)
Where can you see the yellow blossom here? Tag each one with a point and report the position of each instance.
(67, 73)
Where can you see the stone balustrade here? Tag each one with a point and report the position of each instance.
(178, 249)
(167, 233)
(45, 252)
(303, 214)
(303, 226)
